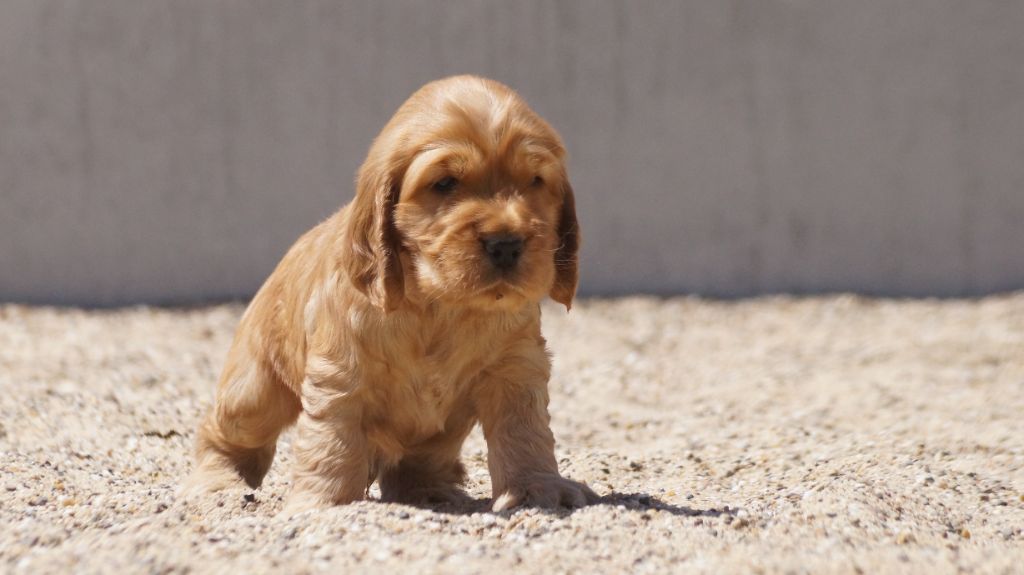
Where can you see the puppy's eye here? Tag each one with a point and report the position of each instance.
(537, 182)
(445, 185)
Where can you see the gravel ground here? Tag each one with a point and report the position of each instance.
(836, 434)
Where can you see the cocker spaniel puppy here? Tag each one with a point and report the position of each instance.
(389, 330)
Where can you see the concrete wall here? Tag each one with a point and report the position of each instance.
(157, 151)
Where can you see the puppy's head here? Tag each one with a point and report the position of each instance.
(464, 195)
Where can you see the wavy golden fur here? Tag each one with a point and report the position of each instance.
(388, 331)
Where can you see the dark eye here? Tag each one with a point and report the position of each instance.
(537, 182)
(445, 185)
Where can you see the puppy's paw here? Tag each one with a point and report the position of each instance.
(300, 500)
(547, 490)
(297, 503)
(204, 481)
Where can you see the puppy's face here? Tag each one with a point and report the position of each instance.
(475, 200)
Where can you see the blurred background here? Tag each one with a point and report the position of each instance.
(170, 152)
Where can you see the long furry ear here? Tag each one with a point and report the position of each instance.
(567, 254)
(373, 262)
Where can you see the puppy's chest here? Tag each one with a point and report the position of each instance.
(444, 365)
(434, 377)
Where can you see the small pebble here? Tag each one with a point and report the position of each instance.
(905, 538)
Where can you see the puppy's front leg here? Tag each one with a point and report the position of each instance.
(512, 404)
(332, 459)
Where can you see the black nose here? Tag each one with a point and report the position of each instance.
(504, 251)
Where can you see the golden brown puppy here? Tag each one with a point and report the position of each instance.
(392, 328)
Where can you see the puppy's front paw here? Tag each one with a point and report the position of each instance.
(204, 481)
(545, 490)
(297, 503)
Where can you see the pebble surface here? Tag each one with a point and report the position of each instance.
(772, 435)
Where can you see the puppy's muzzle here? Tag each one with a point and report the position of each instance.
(503, 250)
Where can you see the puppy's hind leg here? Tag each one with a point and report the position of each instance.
(236, 442)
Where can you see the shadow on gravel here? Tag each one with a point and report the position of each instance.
(631, 501)
(645, 502)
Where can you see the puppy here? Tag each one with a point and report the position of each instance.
(388, 331)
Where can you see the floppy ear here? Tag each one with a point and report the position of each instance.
(373, 262)
(567, 254)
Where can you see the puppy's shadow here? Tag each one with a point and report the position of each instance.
(637, 502)
(645, 502)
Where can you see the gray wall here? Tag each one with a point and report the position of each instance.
(158, 151)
